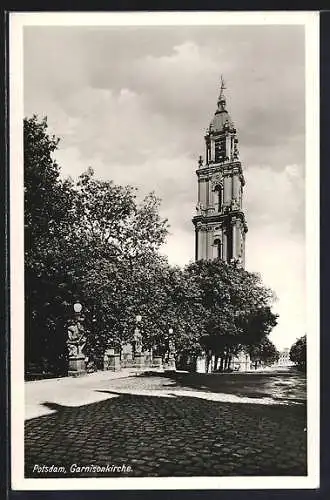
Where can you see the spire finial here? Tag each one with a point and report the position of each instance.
(222, 99)
(223, 85)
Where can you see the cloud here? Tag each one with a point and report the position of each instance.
(276, 198)
(134, 103)
(176, 72)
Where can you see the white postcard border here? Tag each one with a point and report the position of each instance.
(17, 22)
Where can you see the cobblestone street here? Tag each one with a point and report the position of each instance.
(151, 425)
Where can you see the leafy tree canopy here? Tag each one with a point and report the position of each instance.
(236, 305)
(263, 353)
(298, 352)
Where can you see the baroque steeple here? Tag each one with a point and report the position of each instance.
(220, 225)
(221, 116)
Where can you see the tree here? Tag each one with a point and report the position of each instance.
(298, 353)
(117, 239)
(48, 203)
(86, 241)
(237, 308)
(264, 353)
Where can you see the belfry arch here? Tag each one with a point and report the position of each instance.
(218, 197)
(217, 248)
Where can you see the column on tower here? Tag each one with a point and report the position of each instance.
(227, 189)
(240, 195)
(237, 239)
(236, 188)
(208, 244)
(210, 195)
(231, 147)
(199, 244)
(243, 254)
(242, 243)
(224, 244)
(202, 235)
(228, 146)
(229, 243)
(234, 232)
(212, 150)
(208, 149)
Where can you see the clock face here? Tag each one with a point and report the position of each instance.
(220, 149)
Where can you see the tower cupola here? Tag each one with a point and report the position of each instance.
(221, 120)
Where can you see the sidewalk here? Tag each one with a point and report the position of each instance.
(69, 391)
(45, 396)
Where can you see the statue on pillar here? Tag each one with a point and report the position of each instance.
(235, 204)
(76, 340)
(171, 347)
(138, 341)
(170, 356)
(199, 208)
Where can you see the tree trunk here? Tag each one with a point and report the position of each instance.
(208, 359)
(222, 363)
(193, 364)
(226, 361)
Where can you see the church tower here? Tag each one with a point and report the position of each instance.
(220, 225)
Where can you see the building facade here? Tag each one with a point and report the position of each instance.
(284, 358)
(220, 225)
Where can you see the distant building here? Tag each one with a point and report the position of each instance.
(284, 359)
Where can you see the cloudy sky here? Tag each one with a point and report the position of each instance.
(134, 102)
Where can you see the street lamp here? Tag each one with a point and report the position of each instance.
(77, 307)
(170, 345)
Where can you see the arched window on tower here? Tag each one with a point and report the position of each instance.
(229, 243)
(220, 149)
(217, 245)
(218, 198)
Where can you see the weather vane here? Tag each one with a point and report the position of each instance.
(223, 85)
